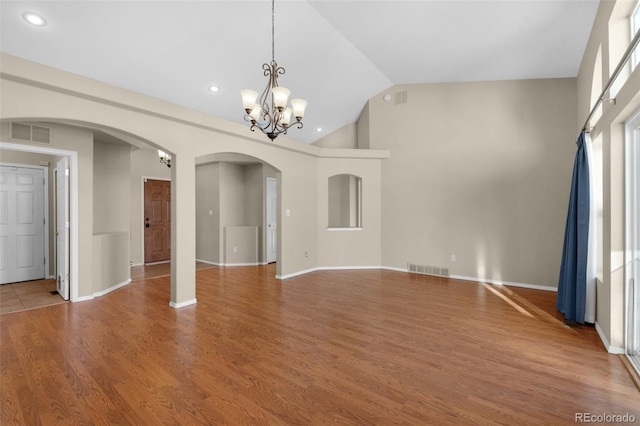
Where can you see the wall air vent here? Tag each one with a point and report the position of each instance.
(400, 97)
(428, 270)
(30, 133)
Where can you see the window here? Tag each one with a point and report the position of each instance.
(632, 243)
(345, 201)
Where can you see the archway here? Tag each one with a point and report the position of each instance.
(237, 210)
(78, 141)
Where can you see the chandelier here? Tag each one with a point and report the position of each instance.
(164, 158)
(270, 113)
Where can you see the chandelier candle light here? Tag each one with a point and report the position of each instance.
(270, 113)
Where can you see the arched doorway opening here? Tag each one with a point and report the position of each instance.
(237, 210)
(105, 168)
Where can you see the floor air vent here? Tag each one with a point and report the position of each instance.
(428, 270)
(30, 133)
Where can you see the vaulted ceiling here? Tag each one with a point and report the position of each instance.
(337, 54)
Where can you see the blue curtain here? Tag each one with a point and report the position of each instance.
(573, 270)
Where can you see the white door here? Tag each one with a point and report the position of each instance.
(62, 227)
(272, 217)
(22, 224)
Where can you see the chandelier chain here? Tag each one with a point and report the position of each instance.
(269, 113)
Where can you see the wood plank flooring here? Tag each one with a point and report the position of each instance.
(35, 294)
(332, 347)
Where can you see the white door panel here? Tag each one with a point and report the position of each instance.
(272, 217)
(22, 224)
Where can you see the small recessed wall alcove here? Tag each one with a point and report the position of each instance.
(345, 201)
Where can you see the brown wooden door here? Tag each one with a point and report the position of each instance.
(157, 220)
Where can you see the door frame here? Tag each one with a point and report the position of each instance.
(45, 172)
(142, 179)
(66, 236)
(632, 227)
(74, 265)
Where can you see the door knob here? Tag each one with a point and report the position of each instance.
(146, 225)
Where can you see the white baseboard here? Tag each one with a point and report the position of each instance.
(295, 274)
(343, 268)
(183, 304)
(137, 264)
(208, 262)
(611, 349)
(240, 264)
(331, 268)
(507, 283)
(112, 288)
(100, 293)
(393, 268)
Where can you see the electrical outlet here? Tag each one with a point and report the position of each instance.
(235, 249)
(453, 257)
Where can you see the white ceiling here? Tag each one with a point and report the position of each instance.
(337, 54)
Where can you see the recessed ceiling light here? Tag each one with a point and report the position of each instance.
(213, 89)
(319, 129)
(34, 19)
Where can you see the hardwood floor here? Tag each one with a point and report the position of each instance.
(40, 293)
(154, 270)
(347, 347)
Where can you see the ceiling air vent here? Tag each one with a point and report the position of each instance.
(31, 133)
(400, 97)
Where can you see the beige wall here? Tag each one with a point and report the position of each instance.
(351, 247)
(609, 38)
(362, 128)
(111, 188)
(345, 137)
(110, 261)
(253, 195)
(480, 171)
(208, 200)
